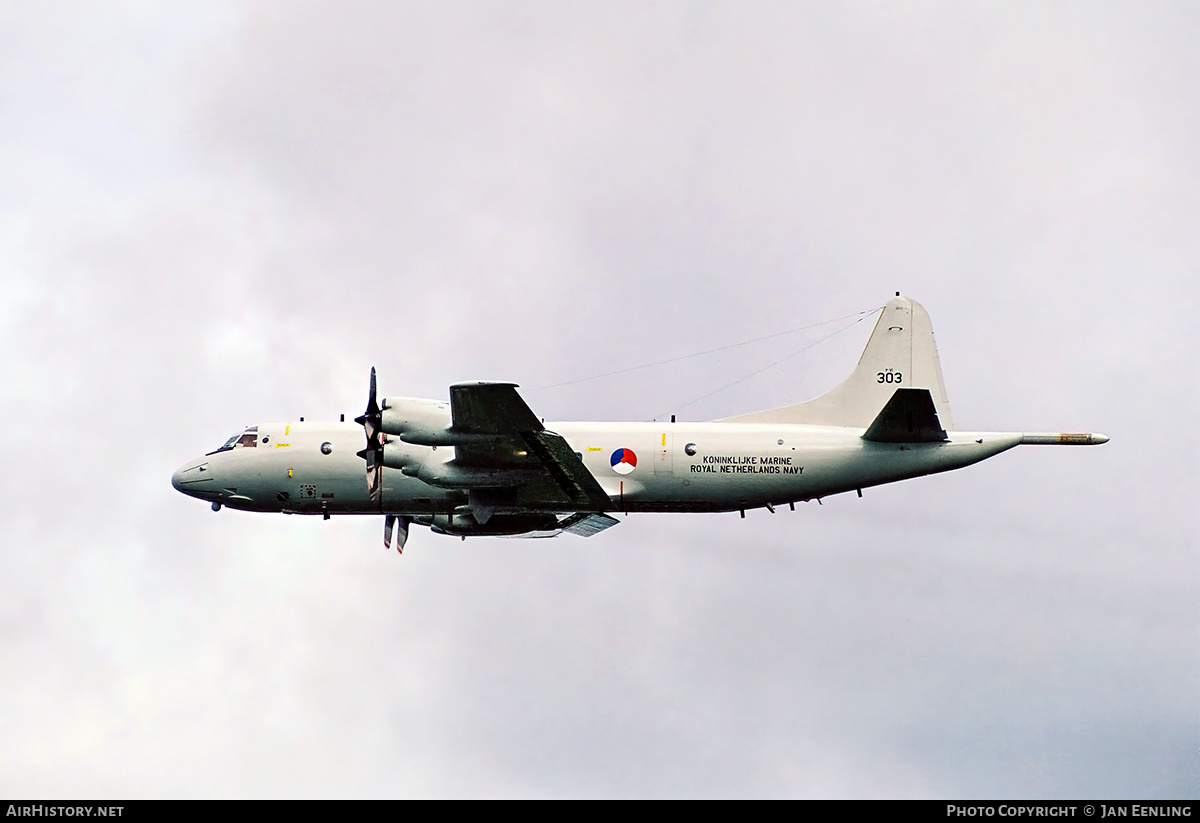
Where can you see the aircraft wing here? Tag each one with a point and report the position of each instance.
(496, 433)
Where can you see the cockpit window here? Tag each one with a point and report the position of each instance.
(228, 444)
(242, 440)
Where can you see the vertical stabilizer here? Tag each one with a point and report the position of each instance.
(900, 354)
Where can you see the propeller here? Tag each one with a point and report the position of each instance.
(371, 421)
(399, 524)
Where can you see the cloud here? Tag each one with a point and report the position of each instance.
(228, 215)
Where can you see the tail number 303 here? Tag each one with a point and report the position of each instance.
(890, 376)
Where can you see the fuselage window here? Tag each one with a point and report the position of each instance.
(326, 447)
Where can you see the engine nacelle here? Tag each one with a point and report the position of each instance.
(406, 414)
(399, 455)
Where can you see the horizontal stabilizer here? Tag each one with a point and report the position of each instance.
(909, 417)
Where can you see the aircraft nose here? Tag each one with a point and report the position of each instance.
(193, 477)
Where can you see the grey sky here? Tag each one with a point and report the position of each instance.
(223, 214)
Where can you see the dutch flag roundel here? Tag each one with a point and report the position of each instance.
(623, 461)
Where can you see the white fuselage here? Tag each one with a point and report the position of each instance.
(666, 467)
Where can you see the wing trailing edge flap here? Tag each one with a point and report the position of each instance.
(521, 444)
(908, 417)
(585, 524)
(568, 470)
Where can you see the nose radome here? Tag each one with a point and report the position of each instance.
(192, 477)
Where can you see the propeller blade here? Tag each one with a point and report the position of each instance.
(375, 483)
(402, 524)
(399, 525)
(371, 420)
(374, 474)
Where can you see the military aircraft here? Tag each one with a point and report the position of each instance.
(483, 463)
